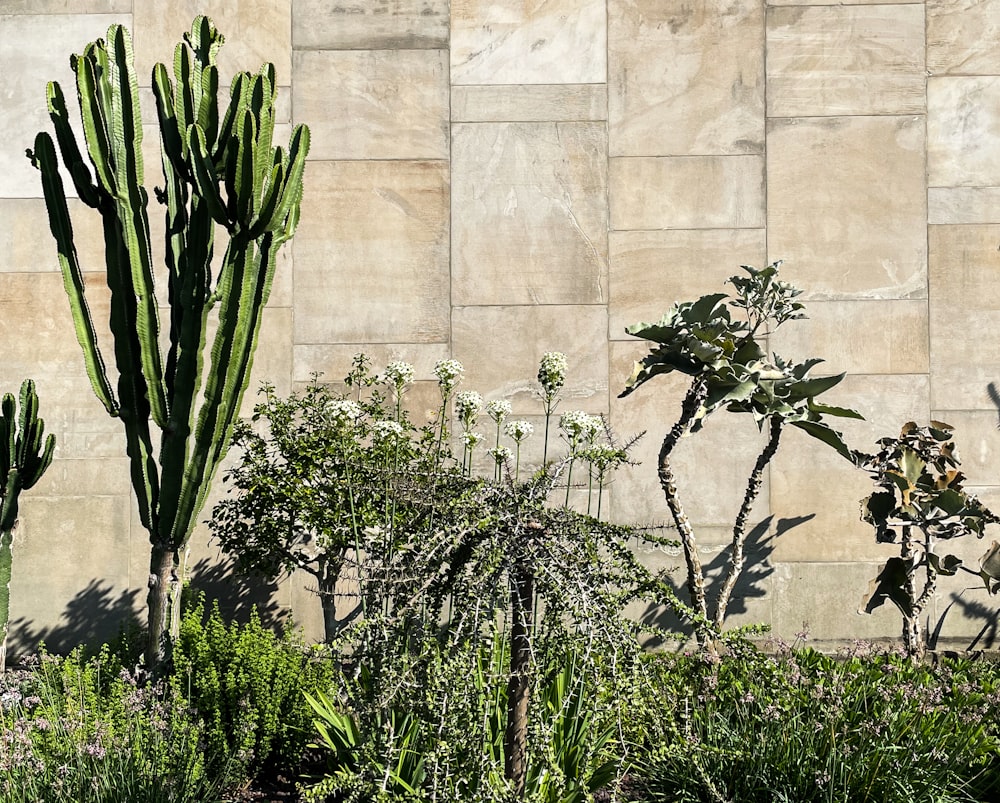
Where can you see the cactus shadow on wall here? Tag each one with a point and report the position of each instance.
(750, 585)
(96, 615)
(237, 594)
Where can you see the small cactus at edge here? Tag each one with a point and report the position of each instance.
(24, 457)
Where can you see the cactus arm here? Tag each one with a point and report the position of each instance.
(72, 158)
(204, 175)
(44, 158)
(287, 213)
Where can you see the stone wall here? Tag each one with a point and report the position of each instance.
(492, 179)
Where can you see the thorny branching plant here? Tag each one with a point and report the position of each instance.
(719, 343)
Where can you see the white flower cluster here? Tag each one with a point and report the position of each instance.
(468, 405)
(399, 374)
(500, 453)
(386, 430)
(518, 430)
(448, 373)
(498, 410)
(580, 427)
(471, 439)
(343, 412)
(552, 373)
(603, 456)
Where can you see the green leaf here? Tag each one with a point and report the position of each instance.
(826, 435)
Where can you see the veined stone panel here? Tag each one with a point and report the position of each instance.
(962, 37)
(867, 336)
(65, 6)
(529, 103)
(652, 270)
(687, 192)
(27, 246)
(370, 254)
(808, 478)
(500, 348)
(964, 315)
(963, 131)
(552, 42)
(529, 213)
(977, 438)
(846, 205)
(963, 205)
(829, 60)
(369, 24)
(256, 31)
(373, 104)
(334, 360)
(686, 78)
(36, 49)
(711, 467)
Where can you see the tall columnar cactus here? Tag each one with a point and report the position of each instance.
(220, 170)
(23, 459)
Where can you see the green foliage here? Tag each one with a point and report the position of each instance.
(920, 501)
(221, 170)
(246, 685)
(88, 731)
(24, 457)
(721, 345)
(805, 727)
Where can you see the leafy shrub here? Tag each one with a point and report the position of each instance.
(76, 731)
(807, 727)
(245, 683)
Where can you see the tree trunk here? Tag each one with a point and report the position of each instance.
(164, 604)
(518, 686)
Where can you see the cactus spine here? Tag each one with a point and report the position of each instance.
(221, 170)
(23, 460)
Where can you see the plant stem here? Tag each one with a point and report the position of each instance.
(736, 548)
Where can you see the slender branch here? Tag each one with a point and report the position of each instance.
(737, 553)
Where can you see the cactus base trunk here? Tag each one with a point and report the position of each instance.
(164, 605)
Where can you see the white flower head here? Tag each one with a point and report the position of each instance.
(573, 423)
(386, 430)
(592, 427)
(448, 373)
(472, 439)
(498, 410)
(552, 373)
(468, 405)
(398, 374)
(343, 412)
(603, 456)
(518, 430)
(500, 454)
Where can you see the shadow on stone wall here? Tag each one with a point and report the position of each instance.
(750, 585)
(971, 610)
(99, 614)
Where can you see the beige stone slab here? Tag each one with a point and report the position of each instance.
(964, 280)
(977, 437)
(962, 37)
(370, 25)
(823, 599)
(839, 2)
(383, 104)
(860, 337)
(529, 213)
(809, 479)
(557, 42)
(86, 475)
(832, 60)
(26, 242)
(686, 78)
(500, 348)
(652, 270)
(963, 205)
(687, 192)
(963, 131)
(334, 361)
(529, 103)
(256, 31)
(386, 281)
(71, 566)
(711, 467)
(846, 205)
(45, 42)
(65, 6)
